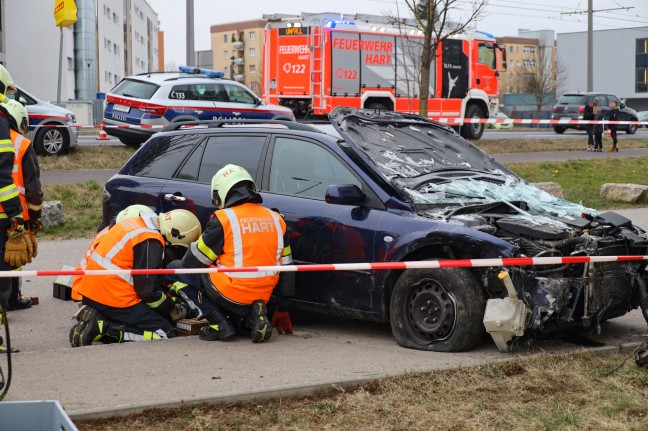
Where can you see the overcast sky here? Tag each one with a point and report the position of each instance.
(503, 17)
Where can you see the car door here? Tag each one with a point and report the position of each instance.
(190, 187)
(243, 104)
(300, 171)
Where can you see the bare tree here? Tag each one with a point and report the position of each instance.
(431, 17)
(543, 77)
(169, 66)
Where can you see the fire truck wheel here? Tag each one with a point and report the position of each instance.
(473, 130)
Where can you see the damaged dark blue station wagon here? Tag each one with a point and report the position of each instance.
(388, 187)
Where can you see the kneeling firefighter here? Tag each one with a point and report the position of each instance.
(120, 308)
(240, 233)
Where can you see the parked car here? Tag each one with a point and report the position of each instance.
(500, 116)
(389, 187)
(643, 117)
(53, 130)
(157, 99)
(570, 106)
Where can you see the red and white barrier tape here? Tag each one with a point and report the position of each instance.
(443, 120)
(450, 263)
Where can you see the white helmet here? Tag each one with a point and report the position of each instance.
(7, 85)
(226, 178)
(16, 115)
(133, 211)
(179, 227)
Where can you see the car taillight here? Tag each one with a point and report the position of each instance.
(553, 108)
(581, 109)
(149, 108)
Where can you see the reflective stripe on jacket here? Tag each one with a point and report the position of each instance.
(115, 251)
(76, 281)
(253, 236)
(20, 145)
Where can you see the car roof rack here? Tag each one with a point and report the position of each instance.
(214, 124)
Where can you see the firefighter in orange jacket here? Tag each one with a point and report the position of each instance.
(16, 248)
(26, 176)
(240, 233)
(120, 308)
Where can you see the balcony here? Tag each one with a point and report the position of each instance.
(239, 77)
(239, 61)
(238, 45)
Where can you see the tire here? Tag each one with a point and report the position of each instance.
(476, 130)
(632, 128)
(417, 305)
(559, 130)
(377, 106)
(130, 142)
(51, 141)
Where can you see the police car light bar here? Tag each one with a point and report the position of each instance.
(207, 72)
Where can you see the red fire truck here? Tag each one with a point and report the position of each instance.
(315, 62)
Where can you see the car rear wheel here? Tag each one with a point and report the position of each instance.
(473, 130)
(51, 141)
(632, 128)
(130, 142)
(439, 310)
(559, 130)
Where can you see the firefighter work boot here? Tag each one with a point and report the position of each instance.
(21, 303)
(88, 329)
(257, 320)
(219, 327)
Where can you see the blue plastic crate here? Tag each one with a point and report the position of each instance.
(34, 416)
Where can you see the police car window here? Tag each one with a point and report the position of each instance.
(210, 92)
(180, 92)
(238, 94)
(302, 168)
(162, 156)
(240, 150)
(22, 98)
(133, 88)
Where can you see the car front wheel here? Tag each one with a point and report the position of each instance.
(632, 128)
(439, 310)
(51, 141)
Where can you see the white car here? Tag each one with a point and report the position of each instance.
(53, 130)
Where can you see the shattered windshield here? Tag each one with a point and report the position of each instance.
(407, 151)
(471, 191)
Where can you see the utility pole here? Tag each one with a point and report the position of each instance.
(191, 53)
(590, 37)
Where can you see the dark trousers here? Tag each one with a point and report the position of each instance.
(590, 135)
(134, 319)
(598, 137)
(202, 297)
(613, 132)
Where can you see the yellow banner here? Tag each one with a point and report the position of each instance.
(65, 12)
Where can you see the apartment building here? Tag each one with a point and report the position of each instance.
(238, 51)
(522, 59)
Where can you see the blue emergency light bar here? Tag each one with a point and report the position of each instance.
(335, 23)
(207, 72)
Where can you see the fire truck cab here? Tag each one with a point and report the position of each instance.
(315, 62)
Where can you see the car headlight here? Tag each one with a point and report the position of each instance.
(71, 117)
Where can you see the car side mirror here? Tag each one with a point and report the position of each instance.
(344, 194)
(622, 105)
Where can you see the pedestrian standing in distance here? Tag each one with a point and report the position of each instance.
(614, 116)
(588, 114)
(598, 128)
(26, 176)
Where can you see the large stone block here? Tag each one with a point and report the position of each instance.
(551, 187)
(624, 192)
(52, 214)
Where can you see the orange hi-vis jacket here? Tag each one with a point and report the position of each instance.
(115, 251)
(20, 145)
(253, 236)
(76, 281)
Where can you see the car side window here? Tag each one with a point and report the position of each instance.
(302, 168)
(238, 94)
(210, 92)
(161, 157)
(180, 92)
(243, 151)
(22, 98)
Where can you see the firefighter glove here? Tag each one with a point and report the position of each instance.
(31, 237)
(281, 321)
(18, 249)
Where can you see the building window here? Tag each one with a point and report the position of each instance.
(251, 52)
(251, 35)
(641, 66)
(233, 37)
(115, 48)
(70, 63)
(115, 18)
(224, 38)
(511, 48)
(511, 63)
(225, 54)
(518, 63)
(252, 68)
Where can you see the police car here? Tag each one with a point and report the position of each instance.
(53, 130)
(152, 100)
